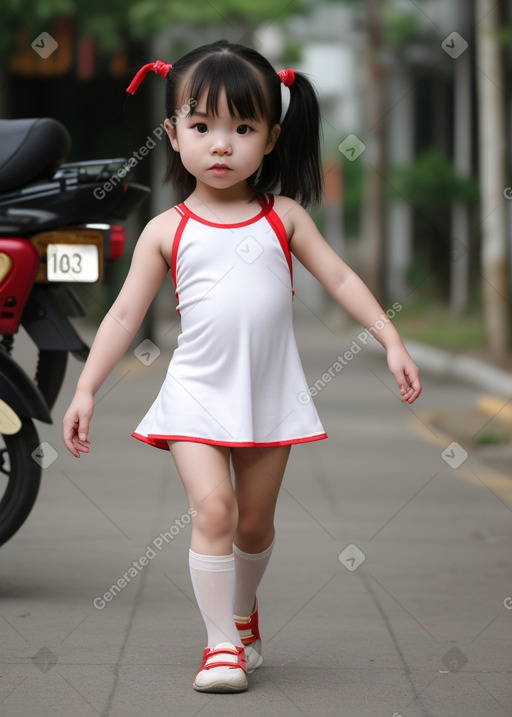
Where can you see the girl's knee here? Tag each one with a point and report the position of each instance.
(216, 518)
(255, 529)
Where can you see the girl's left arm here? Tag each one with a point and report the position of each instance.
(350, 292)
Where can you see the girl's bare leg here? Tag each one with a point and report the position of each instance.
(258, 476)
(204, 471)
(205, 474)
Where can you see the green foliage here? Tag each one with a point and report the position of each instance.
(104, 22)
(148, 16)
(353, 174)
(116, 20)
(431, 183)
(504, 35)
(399, 26)
(492, 438)
(424, 319)
(292, 54)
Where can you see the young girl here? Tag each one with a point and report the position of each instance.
(234, 391)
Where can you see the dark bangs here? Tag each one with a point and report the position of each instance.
(244, 92)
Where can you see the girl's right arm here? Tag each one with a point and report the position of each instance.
(149, 266)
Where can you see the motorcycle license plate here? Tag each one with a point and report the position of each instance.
(72, 262)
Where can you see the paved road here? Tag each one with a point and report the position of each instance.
(388, 594)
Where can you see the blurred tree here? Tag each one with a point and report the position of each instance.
(463, 132)
(111, 23)
(373, 210)
(431, 185)
(82, 29)
(387, 27)
(492, 145)
(431, 181)
(374, 207)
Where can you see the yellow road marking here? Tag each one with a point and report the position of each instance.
(495, 407)
(497, 482)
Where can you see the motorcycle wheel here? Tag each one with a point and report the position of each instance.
(20, 477)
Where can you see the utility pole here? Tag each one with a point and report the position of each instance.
(492, 152)
(373, 222)
(462, 141)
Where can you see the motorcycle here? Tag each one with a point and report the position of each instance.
(55, 231)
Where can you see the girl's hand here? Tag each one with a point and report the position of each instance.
(405, 372)
(76, 424)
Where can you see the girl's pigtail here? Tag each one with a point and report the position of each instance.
(298, 146)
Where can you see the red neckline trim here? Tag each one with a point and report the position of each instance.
(266, 208)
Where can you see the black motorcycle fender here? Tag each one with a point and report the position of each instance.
(45, 319)
(19, 391)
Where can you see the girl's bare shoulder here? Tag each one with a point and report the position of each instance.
(293, 216)
(165, 223)
(159, 232)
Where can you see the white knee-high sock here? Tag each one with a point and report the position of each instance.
(249, 568)
(213, 580)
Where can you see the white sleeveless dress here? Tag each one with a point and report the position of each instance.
(235, 378)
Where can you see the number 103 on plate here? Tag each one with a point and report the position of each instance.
(72, 262)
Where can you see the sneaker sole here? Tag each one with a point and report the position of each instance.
(255, 665)
(253, 656)
(221, 687)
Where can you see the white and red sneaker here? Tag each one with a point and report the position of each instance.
(223, 669)
(250, 635)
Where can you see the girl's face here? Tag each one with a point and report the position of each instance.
(219, 150)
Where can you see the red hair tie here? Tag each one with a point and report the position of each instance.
(161, 68)
(287, 77)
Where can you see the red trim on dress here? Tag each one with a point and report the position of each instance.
(174, 253)
(161, 441)
(280, 232)
(265, 209)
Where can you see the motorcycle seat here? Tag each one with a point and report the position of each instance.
(29, 148)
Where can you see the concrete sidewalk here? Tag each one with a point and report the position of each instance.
(388, 593)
